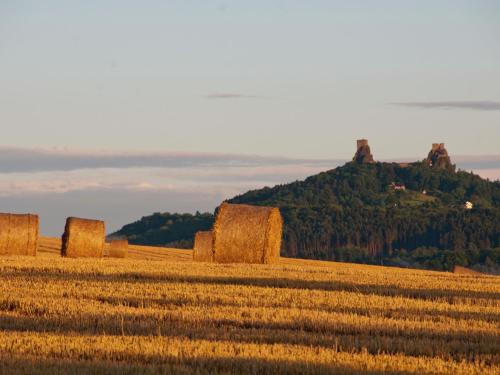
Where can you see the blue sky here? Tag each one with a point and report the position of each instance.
(279, 79)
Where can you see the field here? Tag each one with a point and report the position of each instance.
(160, 312)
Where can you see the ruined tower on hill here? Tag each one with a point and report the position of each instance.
(363, 153)
(438, 157)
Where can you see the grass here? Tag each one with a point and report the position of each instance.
(412, 198)
(160, 312)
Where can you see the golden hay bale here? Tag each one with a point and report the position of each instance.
(247, 234)
(202, 250)
(18, 234)
(465, 271)
(118, 249)
(83, 238)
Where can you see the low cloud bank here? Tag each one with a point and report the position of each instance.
(13, 159)
(193, 178)
(22, 160)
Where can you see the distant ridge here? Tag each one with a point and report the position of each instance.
(414, 214)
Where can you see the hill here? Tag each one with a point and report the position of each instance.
(382, 213)
(357, 213)
(175, 316)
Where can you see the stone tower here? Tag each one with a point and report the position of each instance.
(438, 157)
(363, 153)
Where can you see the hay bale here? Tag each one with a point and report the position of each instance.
(202, 250)
(118, 249)
(465, 271)
(83, 238)
(247, 234)
(18, 234)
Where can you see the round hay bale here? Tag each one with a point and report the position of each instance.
(247, 234)
(83, 238)
(18, 234)
(202, 250)
(118, 249)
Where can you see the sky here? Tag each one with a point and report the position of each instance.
(117, 109)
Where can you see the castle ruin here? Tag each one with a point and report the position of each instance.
(363, 153)
(438, 157)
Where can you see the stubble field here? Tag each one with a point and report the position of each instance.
(159, 312)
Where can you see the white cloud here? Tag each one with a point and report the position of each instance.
(216, 179)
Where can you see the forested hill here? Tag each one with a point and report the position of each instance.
(401, 214)
(360, 212)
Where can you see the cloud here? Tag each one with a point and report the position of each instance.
(186, 165)
(479, 105)
(477, 162)
(231, 95)
(13, 159)
(193, 179)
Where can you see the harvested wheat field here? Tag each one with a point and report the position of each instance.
(465, 271)
(169, 314)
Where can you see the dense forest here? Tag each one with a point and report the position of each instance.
(381, 213)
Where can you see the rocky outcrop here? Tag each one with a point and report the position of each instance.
(438, 157)
(363, 153)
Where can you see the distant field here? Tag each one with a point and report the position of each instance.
(160, 312)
